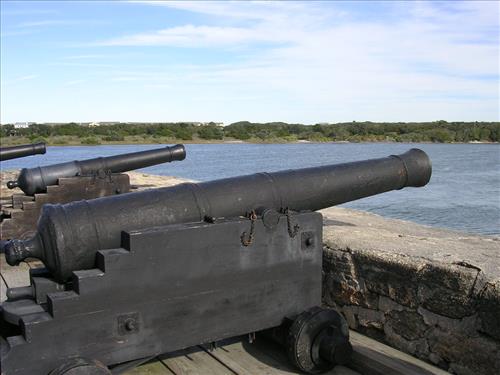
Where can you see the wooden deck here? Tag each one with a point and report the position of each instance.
(267, 358)
(240, 357)
(259, 358)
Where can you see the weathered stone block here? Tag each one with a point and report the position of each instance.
(395, 279)
(468, 326)
(407, 324)
(466, 354)
(386, 305)
(418, 347)
(371, 318)
(488, 306)
(447, 290)
(344, 285)
(432, 293)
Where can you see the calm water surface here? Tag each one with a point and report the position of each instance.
(464, 192)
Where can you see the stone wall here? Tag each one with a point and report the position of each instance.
(432, 293)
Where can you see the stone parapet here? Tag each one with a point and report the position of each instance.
(430, 292)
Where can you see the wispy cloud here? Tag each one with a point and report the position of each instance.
(75, 82)
(158, 86)
(44, 23)
(292, 61)
(124, 79)
(266, 22)
(27, 77)
(27, 12)
(16, 33)
(38, 26)
(197, 36)
(251, 10)
(19, 79)
(90, 56)
(325, 57)
(59, 22)
(424, 35)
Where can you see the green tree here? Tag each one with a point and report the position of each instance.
(210, 132)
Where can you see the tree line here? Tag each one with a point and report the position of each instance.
(438, 131)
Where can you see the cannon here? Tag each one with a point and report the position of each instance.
(14, 152)
(131, 276)
(71, 181)
(36, 180)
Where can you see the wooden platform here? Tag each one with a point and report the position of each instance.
(240, 357)
(262, 357)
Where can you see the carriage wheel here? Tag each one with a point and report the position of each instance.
(318, 340)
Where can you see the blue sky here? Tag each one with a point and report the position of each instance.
(259, 61)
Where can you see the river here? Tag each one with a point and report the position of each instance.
(463, 194)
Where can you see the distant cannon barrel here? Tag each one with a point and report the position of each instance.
(69, 235)
(14, 152)
(36, 180)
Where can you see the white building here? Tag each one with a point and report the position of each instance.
(22, 125)
(94, 124)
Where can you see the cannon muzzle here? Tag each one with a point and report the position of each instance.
(7, 153)
(70, 235)
(36, 180)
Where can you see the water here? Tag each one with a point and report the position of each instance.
(464, 192)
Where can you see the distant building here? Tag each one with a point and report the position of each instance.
(219, 124)
(22, 125)
(94, 124)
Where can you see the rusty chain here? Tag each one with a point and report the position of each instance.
(248, 241)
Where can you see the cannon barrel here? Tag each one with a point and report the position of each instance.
(36, 180)
(14, 152)
(69, 235)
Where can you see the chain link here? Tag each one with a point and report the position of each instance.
(248, 241)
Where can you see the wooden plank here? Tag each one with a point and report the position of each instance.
(35, 263)
(373, 357)
(155, 367)
(277, 353)
(195, 363)
(14, 276)
(264, 358)
(246, 359)
(3, 290)
(341, 370)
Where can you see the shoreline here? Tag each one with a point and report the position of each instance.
(223, 142)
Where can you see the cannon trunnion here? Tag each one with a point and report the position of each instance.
(165, 289)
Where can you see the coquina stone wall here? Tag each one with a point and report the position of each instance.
(432, 293)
